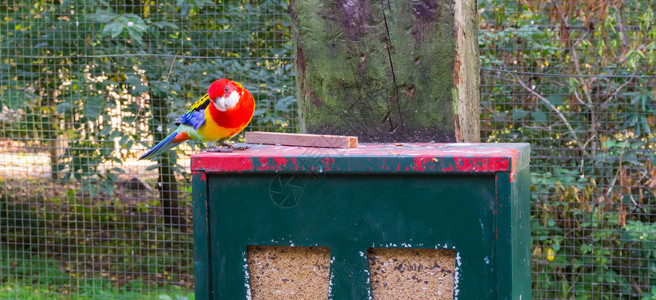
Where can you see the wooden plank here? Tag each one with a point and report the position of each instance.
(303, 140)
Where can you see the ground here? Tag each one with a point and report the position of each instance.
(59, 240)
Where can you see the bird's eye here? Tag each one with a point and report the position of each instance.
(227, 90)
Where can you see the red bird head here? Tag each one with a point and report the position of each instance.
(225, 94)
(232, 105)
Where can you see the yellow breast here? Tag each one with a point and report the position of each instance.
(211, 131)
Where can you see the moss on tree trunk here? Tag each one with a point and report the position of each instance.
(387, 70)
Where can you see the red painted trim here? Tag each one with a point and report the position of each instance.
(481, 164)
(235, 164)
(281, 161)
(420, 162)
(427, 157)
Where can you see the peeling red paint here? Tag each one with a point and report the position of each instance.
(514, 166)
(328, 161)
(202, 174)
(419, 164)
(495, 186)
(263, 164)
(225, 164)
(481, 164)
(464, 164)
(280, 161)
(411, 157)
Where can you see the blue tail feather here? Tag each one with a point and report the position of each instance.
(162, 146)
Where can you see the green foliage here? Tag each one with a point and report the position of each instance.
(582, 93)
(90, 289)
(89, 245)
(118, 65)
(87, 71)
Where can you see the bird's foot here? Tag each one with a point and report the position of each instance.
(237, 148)
(226, 148)
(215, 148)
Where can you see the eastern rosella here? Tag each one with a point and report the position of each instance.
(220, 114)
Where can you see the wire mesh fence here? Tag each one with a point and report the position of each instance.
(87, 85)
(576, 80)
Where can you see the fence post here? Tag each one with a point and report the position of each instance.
(388, 70)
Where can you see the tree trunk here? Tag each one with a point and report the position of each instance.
(393, 70)
(49, 120)
(167, 183)
(52, 135)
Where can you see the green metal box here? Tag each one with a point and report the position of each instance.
(472, 198)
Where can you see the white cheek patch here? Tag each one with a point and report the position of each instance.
(219, 103)
(232, 100)
(225, 103)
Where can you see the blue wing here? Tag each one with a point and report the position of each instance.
(195, 115)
